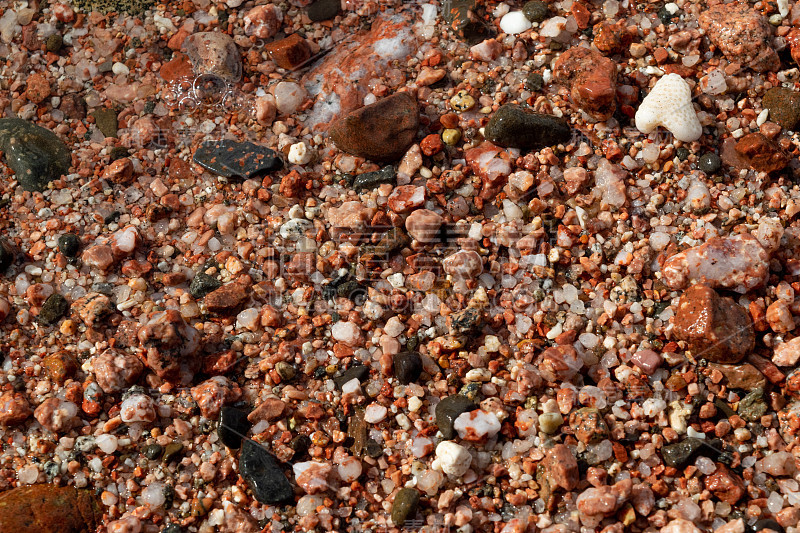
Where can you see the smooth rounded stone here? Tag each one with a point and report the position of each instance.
(679, 455)
(233, 426)
(263, 474)
(171, 451)
(535, 11)
(236, 159)
(741, 376)
(69, 245)
(289, 96)
(709, 163)
(783, 105)
(286, 371)
(452, 459)
(106, 121)
(153, 451)
(54, 42)
(60, 366)
(370, 180)
(203, 284)
(7, 254)
(35, 154)
(514, 23)
(55, 307)
(382, 131)
(323, 10)
(550, 422)
(405, 505)
(407, 367)
(47, 507)
(214, 52)
(448, 410)
(513, 126)
(359, 372)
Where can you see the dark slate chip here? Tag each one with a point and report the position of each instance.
(236, 159)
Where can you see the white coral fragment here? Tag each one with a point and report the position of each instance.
(669, 104)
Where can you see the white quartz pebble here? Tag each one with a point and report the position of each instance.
(476, 425)
(514, 23)
(452, 459)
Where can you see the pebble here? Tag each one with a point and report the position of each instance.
(452, 459)
(742, 34)
(515, 22)
(407, 367)
(106, 121)
(48, 507)
(7, 254)
(232, 427)
(669, 104)
(477, 425)
(448, 410)
(591, 79)
(290, 52)
(423, 225)
(784, 106)
(14, 409)
(725, 485)
(227, 300)
(761, 153)
(513, 126)
(236, 159)
(53, 309)
(716, 327)
(263, 474)
(709, 163)
(741, 376)
(203, 284)
(382, 131)
(535, 10)
(312, 476)
(359, 372)
(263, 21)
(752, 407)
(405, 505)
(588, 425)
(36, 155)
(214, 52)
(370, 180)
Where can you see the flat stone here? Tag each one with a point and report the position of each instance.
(203, 284)
(49, 507)
(407, 367)
(263, 474)
(236, 159)
(214, 52)
(35, 154)
(752, 407)
(382, 131)
(7, 254)
(783, 105)
(69, 245)
(357, 430)
(106, 121)
(359, 372)
(448, 410)
(761, 153)
(55, 307)
(289, 53)
(370, 180)
(233, 426)
(405, 505)
(746, 376)
(513, 126)
(323, 10)
(679, 454)
(227, 300)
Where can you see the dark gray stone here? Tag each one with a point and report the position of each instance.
(535, 11)
(202, 284)
(407, 367)
(69, 245)
(55, 307)
(233, 426)
(404, 506)
(359, 372)
(709, 163)
(106, 121)
(323, 10)
(370, 180)
(513, 126)
(35, 154)
(262, 472)
(232, 159)
(752, 407)
(448, 410)
(152, 451)
(679, 454)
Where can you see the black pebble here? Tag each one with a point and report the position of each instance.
(709, 163)
(53, 309)
(359, 372)
(233, 426)
(69, 245)
(535, 11)
(682, 153)
(202, 284)
(263, 474)
(407, 367)
(323, 10)
(534, 82)
(152, 451)
(448, 410)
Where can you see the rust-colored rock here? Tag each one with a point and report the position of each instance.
(38, 88)
(269, 410)
(725, 485)
(716, 327)
(382, 131)
(591, 78)
(742, 34)
(562, 467)
(588, 425)
(612, 38)
(761, 153)
(120, 171)
(60, 366)
(46, 508)
(169, 341)
(14, 409)
(227, 300)
(290, 52)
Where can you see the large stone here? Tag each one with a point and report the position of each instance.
(513, 126)
(715, 327)
(41, 508)
(745, 377)
(591, 79)
(783, 105)
(262, 472)
(742, 34)
(236, 159)
(407, 367)
(725, 485)
(132, 7)
(214, 53)
(36, 155)
(55, 307)
(227, 300)
(448, 410)
(382, 131)
(761, 153)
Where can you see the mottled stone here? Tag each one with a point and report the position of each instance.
(232, 159)
(213, 52)
(591, 79)
(36, 155)
(404, 506)
(513, 126)
(41, 508)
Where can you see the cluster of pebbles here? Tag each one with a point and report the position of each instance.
(358, 265)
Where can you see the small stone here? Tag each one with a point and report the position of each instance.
(612, 38)
(69, 245)
(745, 377)
(236, 159)
(452, 459)
(716, 327)
(106, 121)
(514, 23)
(592, 81)
(534, 82)
(171, 451)
(60, 366)
(535, 11)
(286, 371)
(404, 506)
(269, 410)
(407, 367)
(382, 131)
(14, 409)
(423, 225)
(448, 410)
(725, 485)
(513, 126)
(7, 254)
(477, 425)
(464, 321)
(761, 153)
(153, 451)
(462, 101)
(370, 180)
(116, 370)
(214, 52)
(709, 163)
(227, 300)
(262, 472)
(357, 430)
(752, 407)
(54, 42)
(233, 426)
(588, 425)
(55, 307)
(561, 467)
(451, 136)
(359, 372)
(262, 21)
(742, 34)
(203, 284)
(289, 53)
(38, 88)
(323, 10)
(679, 455)
(783, 105)
(36, 155)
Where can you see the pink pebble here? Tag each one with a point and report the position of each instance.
(647, 360)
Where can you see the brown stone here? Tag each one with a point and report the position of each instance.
(178, 67)
(746, 376)
(227, 300)
(382, 131)
(73, 106)
(289, 53)
(168, 341)
(120, 171)
(40, 508)
(14, 410)
(612, 38)
(38, 88)
(742, 34)
(716, 327)
(562, 467)
(60, 366)
(588, 425)
(725, 485)
(761, 153)
(591, 78)
(268, 410)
